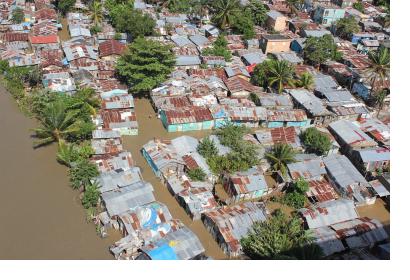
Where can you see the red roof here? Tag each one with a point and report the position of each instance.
(50, 39)
(286, 135)
(111, 47)
(14, 36)
(46, 14)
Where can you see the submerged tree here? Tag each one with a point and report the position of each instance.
(207, 148)
(57, 122)
(306, 81)
(145, 65)
(280, 156)
(316, 141)
(280, 238)
(196, 174)
(82, 173)
(91, 196)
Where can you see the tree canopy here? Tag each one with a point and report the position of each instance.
(224, 12)
(257, 11)
(219, 48)
(64, 6)
(196, 174)
(17, 16)
(280, 238)
(296, 195)
(207, 148)
(280, 156)
(346, 26)
(320, 49)
(316, 141)
(145, 65)
(125, 19)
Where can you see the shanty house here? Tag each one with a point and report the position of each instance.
(294, 117)
(196, 201)
(123, 199)
(348, 180)
(246, 185)
(162, 158)
(284, 135)
(187, 119)
(275, 21)
(229, 224)
(328, 213)
(181, 244)
(275, 43)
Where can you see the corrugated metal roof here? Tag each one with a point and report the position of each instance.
(113, 162)
(182, 60)
(248, 181)
(181, 244)
(309, 101)
(329, 212)
(234, 222)
(351, 134)
(328, 240)
(308, 169)
(114, 180)
(125, 198)
(374, 154)
(105, 133)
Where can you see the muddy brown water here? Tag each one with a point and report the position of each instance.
(41, 217)
(150, 127)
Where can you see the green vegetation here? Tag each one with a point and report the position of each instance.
(295, 195)
(91, 196)
(316, 141)
(96, 12)
(224, 12)
(280, 156)
(379, 69)
(257, 11)
(346, 26)
(196, 174)
(280, 238)
(359, 6)
(145, 65)
(64, 6)
(207, 148)
(243, 24)
(261, 73)
(81, 173)
(281, 74)
(243, 154)
(306, 81)
(127, 20)
(255, 99)
(17, 16)
(319, 50)
(56, 123)
(219, 48)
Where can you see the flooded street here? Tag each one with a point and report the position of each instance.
(148, 129)
(41, 216)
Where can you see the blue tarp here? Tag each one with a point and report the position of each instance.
(163, 252)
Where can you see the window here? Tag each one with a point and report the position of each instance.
(324, 21)
(326, 13)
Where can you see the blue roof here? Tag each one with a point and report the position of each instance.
(164, 252)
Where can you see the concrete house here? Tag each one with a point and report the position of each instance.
(328, 14)
(276, 21)
(275, 43)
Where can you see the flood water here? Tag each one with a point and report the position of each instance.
(41, 217)
(150, 127)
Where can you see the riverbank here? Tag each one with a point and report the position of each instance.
(42, 217)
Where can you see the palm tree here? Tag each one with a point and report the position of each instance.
(379, 100)
(379, 69)
(306, 81)
(280, 156)
(281, 74)
(66, 153)
(87, 98)
(224, 11)
(96, 11)
(56, 123)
